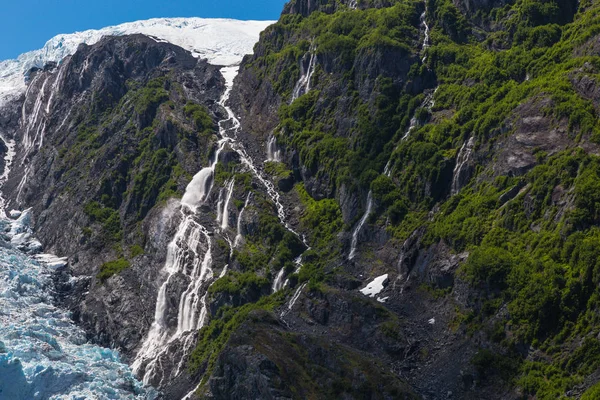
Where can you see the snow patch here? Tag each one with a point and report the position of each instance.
(376, 286)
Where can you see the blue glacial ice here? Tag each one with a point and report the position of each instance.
(43, 354)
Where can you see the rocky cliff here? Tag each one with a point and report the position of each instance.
(389, 199)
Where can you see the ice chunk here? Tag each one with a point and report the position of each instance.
(14, 214)
(52, 261)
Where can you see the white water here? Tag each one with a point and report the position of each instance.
(185, 250)
(8, 161)
(225, 217)
(360, 225)
(273, 152)
(199, 188)
(463, 157)
(293, 300)
(188, 254)
(303, 84)
(220, 205)
(411, 126)
(278, 282)
(239, 237)
(353, 4)
(426, 38)
(229, 73)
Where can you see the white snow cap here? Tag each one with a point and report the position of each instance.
(375, 287)
(221, 41)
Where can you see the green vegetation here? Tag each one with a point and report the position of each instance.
(531, 236)
(239, 283)
(111, 268)
(213, 337)
(108, 217)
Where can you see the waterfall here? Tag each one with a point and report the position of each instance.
(239, 237)
(55, 87)
(8, 160)
(189, 316)
(463, 157)
(293, 300)
(220, 205)
(28, 141)
(426, 39)
(411, 126)
(428, 103)
(229, 73)
(353, 4)
(360, 225)
(190, 252)
(201, 184)
(186, 256)
(303, 84)
(299, 264)
(278, 282)
(225, 217)
(183, 251)
(273, 152)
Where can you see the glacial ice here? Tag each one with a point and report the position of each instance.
(43, 355)
(220, 41)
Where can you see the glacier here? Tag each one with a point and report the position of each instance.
(43, 354)
(221, 41)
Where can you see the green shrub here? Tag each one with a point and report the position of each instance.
(111, 268)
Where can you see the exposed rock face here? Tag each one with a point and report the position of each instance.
(86, 132)
(109, 139)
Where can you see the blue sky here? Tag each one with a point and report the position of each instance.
(27, 24)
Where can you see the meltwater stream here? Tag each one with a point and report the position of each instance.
(43, 354)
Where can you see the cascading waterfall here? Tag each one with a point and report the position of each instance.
(353, 4)
(225, 214)
(199, 188)
(278, 282)
(189, 316)
(303, 84)
(239, 237)
(28, 141)
(220, 205)
(463, 157)
(8, 160)
(362, 221)
(426, 38)
(55, 87)
(293, 300)
(411, 126)
(229, 73)
(185, 252)
(23, 181)
(299, 261)
(273, 152)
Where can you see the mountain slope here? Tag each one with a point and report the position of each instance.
(391, 199)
